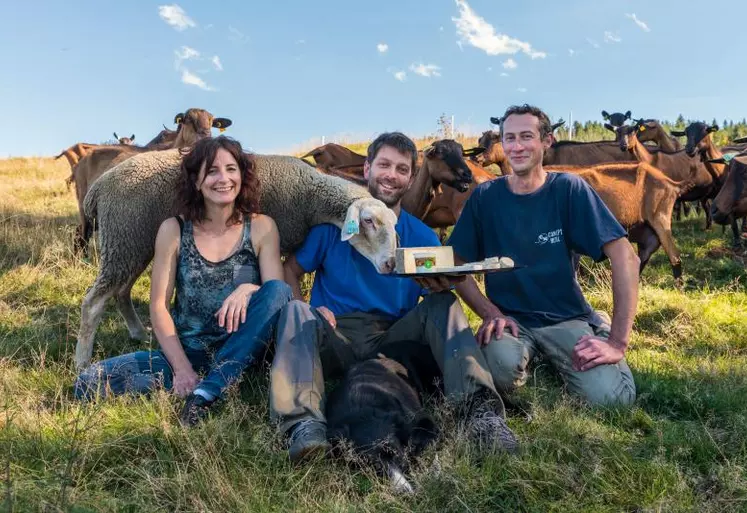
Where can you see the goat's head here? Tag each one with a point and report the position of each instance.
(697, 137)
(125, 140)
(195, 124)
(370, 228)
(445, 163)
(649, 130)
(627, 135)
(616, 119)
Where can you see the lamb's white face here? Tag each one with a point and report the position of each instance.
(370, 229)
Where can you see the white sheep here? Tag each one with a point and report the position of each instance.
(131, 200)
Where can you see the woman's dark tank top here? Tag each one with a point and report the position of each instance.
(202, 286)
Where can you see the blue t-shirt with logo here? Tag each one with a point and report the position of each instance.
(539, 230)
(345, 282)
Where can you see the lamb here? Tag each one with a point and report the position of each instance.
(131, 200)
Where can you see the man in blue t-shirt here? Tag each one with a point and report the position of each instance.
(540, 220)
(355, 313)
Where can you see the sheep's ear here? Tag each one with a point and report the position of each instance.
(605, 115)
(351, 226)
(132, 137)
(116, 136)
(628, 114)
(609, 127)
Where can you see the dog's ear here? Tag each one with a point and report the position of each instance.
(424, 432)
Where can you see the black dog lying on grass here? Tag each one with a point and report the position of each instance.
(377, 407)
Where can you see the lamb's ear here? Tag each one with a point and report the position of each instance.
(351, 226)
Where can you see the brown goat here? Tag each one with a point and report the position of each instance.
(641, 198)
(731, 201)
(193, 125)
(677, 166)
(333, 155)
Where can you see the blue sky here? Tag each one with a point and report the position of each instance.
(290, 71)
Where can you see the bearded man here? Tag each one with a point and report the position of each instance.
(356, 313)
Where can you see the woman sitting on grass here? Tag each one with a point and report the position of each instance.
(216, 256)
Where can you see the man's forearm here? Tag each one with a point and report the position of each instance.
(476, 300)
(624, 264)
(294, 281)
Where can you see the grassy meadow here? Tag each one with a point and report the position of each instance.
(682, 447)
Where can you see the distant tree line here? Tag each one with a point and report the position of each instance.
(595, 131)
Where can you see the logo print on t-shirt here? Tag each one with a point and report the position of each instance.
(552, 237)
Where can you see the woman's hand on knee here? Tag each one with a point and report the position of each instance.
(494, 327)
(233, 311)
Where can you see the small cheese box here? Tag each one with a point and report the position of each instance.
(424, 259)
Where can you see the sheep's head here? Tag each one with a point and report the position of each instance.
(370, 228)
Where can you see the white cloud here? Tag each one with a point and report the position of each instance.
(642, 24)
(510, 64)
(474, 30)
(522, 89)
(236, 35)
(216, 62)
(190, 78)
(382, 47)
(175, 16)
(184, 54)
(400, 75)
(609, 37)
(490, 68)
(301, 42)
(504, 74)
(440, 29)
(425, 70)
(571, 52)
(592, 42)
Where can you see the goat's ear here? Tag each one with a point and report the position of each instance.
(496, 121)
(627, 115)
(720, 160)
(116, 136)
(179, 118)
(132, 137)
(605, 115)
(677, 133)
(472, 152)
(713, 128)
(609, 127)
(221, 123)
(429, 151)
(351, 226)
